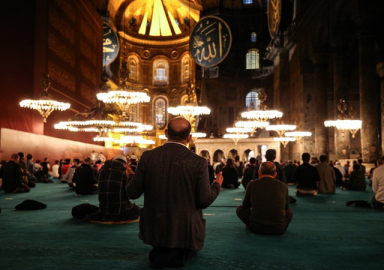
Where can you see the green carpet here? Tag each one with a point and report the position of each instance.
(324, 234)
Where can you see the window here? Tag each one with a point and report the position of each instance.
(247, 2)
(160, 72)
(160, 110)
(185, 69)
(132, 65)
(253, 37)
(251, 100)
(252, 61)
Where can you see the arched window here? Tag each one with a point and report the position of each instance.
(160, 112)
(252, 59)
(133, 69)
(247, 2)
(251, 100)
(185, 69)
(160, 70)
(253, 37)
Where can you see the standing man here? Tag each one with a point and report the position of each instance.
(94, 156)
(327, 177)
(265, 207)
(176, 188)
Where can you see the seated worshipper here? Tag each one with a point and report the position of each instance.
(265, 207)
(31, 169)
(230, 179)
(249, 172)
(240, 169)
(270, 155)
(65, 166)
(307, 177)
(96, 167)
(356, 180)
(339, 177)
(289, 171)
(327, 177)
(378, 186)
(220, 166)
(12, 176)
(55, 170)
(362, 167)
(24, 172)
(114, 204)
(84, 180)
(45, 167)
(102, 158)
(175, 183)
(67, 178)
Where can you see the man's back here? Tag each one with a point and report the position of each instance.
(176, 187)
(11, 174)
(327, 178)
(269, 199)
(248, 174)
(112, 181)
(306, 176)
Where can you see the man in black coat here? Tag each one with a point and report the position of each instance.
(307, 177)
(176, 188)
(249, 171)
(84, 179)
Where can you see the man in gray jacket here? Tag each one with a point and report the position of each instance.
(176, 188)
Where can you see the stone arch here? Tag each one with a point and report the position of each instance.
(232, 154)
(205, 154)
(218, 155)
(247, 154)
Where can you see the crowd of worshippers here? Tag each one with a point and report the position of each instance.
(178, 184)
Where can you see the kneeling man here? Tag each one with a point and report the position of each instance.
(265, 207)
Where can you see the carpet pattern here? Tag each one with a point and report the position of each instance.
(324, 234)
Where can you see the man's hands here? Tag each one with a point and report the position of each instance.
(128, 170)
(219, 179)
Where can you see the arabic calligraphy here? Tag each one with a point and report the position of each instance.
(210, 41)
(110, 45)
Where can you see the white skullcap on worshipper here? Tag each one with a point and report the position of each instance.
(121, 157)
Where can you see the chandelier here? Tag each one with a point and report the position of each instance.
(251, 124)
(236, 137)
(298, 134)
(284, 140)
(280, 129)
(45, 105)
(343, 123)
(262, 114)
(190, 110)
(237, 133)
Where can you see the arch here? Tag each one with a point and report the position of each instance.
(253, 37)
(232, 154)
(247, 154)
(218, 155)
(160, 71)
(251, 99)
(252, 59)
(134, 68)
(159, 109)
(205, 154)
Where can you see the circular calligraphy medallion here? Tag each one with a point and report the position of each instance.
(210, 41)
(111, 45)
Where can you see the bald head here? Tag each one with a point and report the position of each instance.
(267, 169)
(178, 129)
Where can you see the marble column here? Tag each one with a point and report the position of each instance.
(369, 95)
(309, 101)
(321, 109)
(340, 86)
(283, 103)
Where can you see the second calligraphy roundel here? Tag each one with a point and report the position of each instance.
(210, 41)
